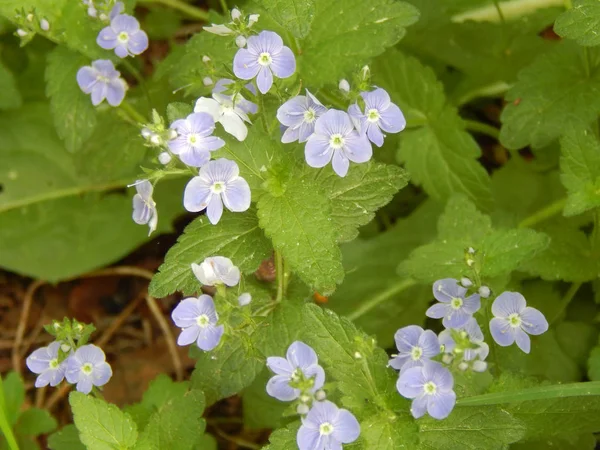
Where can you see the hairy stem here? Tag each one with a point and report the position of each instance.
(544, 213)
(482, 128)
(4, 425)
(280, 276)
(394, 289)
(191, 11)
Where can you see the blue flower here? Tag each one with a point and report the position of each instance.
(194, 140)
(299, 115)
(454, 307)
(88, 367)
(238, 99)
(198, 318)
(265, 56)
(514, 321)
(415, 346)
(335, 140)
(124, 35)
(431, 388)
(300, 361)
(379, 114)
(44, 362)
(103, 81)
(216, 270)
(144, 207)
(218, 183)
(327, 427)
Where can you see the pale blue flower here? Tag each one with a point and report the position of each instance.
(265, 56)
(124, 36)
(514, 321)
(103, 81)
(299, 115)
(194, 140)
(144, 207)
(327, 427)
(415, 346)
(44, 362)
(88, 367)
(454, 308)
(198, 318)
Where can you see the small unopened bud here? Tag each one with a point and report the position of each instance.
(366, 72)
(304, 398)
(320, 395)
(344, 86)
(103, 17)
(470, 262)
(240, 41)
(466, 282)
(302, 409)
(44, 25)
(21, 32)
(235, 14)
(92, 12)
(65, 347)
(56, 325)
(252, 19)
(205, 59)
(207, 81)
(463, 366)
(245, 299)
(484, 291)
(479, 366)
(447, 359)
(155, 139)
(357, 355)
(30, 17)
(172, 134)
(471, 250)
(146, 133)
(164, 158)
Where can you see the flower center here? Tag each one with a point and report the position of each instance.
(265, 59)
(373, 115)
(514, 320)
(336, 141)
(296, 375)
(53, 363)
(193, 138)
(123, 37)
(416, 353)
(456, 303)
(325, 429)
(310, 115)
(217, 188)
(429, 388)
(87, 368)
(202, 321)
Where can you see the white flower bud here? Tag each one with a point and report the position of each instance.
(92, 12)
(65, 347)
(252, 19)
(479, 366)
(447, 359)
(470, 262)
(146, 133)
(466, 282)
(235, 14)
(103, 17)
(463, 366)
(205, 59)
(245, 299)
(484, 291)
(155, 139)
(44, 25)
(471, 250)
(220, 30)
(304, 398)
(240, 41)
(30, 17)
(164, 158)
(344, 86)
(366, 72)
(21, 32)
(172, 134)
(357, 355)
(207, 81)
(302, 409)
(320, 395)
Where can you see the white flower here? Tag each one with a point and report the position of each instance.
(217, 270)
(223, 111)
(220, 30)
(240, 41)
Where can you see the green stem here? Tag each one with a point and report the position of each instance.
(545, 213)
(261, 110)
(566, 300)
(280, 276)
(496, 89)
(139, 78)
(191, 11)
(483, 128)
(4, 425)
(500, 13)
(511, 9)
(132, 113)
(224, 7)
(381, 297)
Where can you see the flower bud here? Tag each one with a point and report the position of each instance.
(172, 134)
(344, 86)
(463, 366)
(92, 12)
(484, 291)
(302, 409)
(366, 72)
(164, 158)
(245, 299)
(235, 14)
(21, 32)
(240, 41)
(205, 59)
(447, 359)
(155, 139)
(146, 133)
(304, 398)
(357, 355)
(44, 25)
(103, 17)
(479, 366)
(320, 395)
(65, 347)
(30, 17)
(207, 81)
(252, 19)
(466, 282)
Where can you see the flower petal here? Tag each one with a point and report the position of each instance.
(207, 105)
(428, 341)
(138, 42)
(346, 428)
(234, 125)
(188, 335)
(290, 135)
(245, 64)
(418, 408)
(502, 332)
(455, 318)
(291, 113)
(318, 373)
(410, 383)
(446, 289)
(377, 99)
(107, 38)
(84, 385)
(186, 312)
(318, 152)
(237, 196)
(197, 195)
(375, 135)
(115, 92)
(508, 303)
(301, 355)
(279, 388)
(87, 77)
(407, 337)
(357, 148)
(437, 311)
(472, 304)
(522, 339)
(308, 439)
(392, 120)
(533, 321)
(284, 63)
(264, 80)
(279, 365)
(101, 374)
(195, 157)
(215, 209)
(209, 337)
(440, 406)
(340, 163)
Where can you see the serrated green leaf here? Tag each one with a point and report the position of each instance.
(66, 439)
(101, 425)
(471, 428)
(283, 438)
(14, 396)
(11, 97)
(580, 167)
(73, 113)
(440, 154)
(293, 16)
(356, 197)
(463, 223)
(35, 421)
(581, 23)
(237, 237)
(178, 110)
(299, 224)
(558, 91)
(364, 33)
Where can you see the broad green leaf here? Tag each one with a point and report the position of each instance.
(11, 97)
(580, 167)
(577, 339)
(237, 237)
(35, 421)
(334, 46)
(162, 22)
(73, 113)
(260, 409)
(581, 23)
(14, 396)
(581, 442)
(298, 222)
(558, 91)
(292, 16)
(284, 438)
(66, 439)
(439, 154)
(471, 428)
(593, 364)
(356, 197)
(101, 425)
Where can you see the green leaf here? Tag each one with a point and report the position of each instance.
(73, 112)
(364, 33)
(472, 429)
(293, 16)
(178, 110)
(14, 396)
(581, 442)
(237, 237)
(439, 154)
(298, 223)
(580, 167)
(356, 197)
(283, 438)
(34, 422)
(260, 409)
(559, 91)
(581, 23)
(162, 22)
(594, 364)
(101, 425)
(11, 97)
(66, 439)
